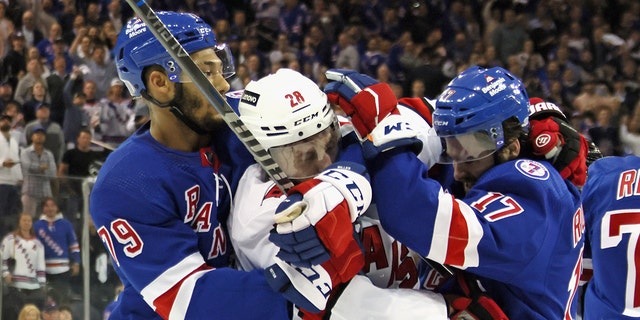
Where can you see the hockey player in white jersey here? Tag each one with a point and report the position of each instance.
(291, 118)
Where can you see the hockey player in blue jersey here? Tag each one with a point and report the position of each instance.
(291, 117)
(519, 227)
(161, 200)
(611, 203)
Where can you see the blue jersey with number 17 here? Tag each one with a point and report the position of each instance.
(611, 201)
(162, 215)
(519, 229)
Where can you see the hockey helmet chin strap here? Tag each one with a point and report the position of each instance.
(176, 109)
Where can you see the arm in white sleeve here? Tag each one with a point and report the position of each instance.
(362, 300)
(251, 219)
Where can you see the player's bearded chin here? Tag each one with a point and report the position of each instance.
(191, 101)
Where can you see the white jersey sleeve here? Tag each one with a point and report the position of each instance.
(362, 300)
(251, 219)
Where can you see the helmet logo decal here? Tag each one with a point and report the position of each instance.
(135, 28)
(294, 95)
(494, 88)
(447, 94)
(532, 169)
(306, 119)
(250, 98)
(542, 140)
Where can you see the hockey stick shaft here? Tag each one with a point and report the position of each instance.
(103, 144)
(180, 55)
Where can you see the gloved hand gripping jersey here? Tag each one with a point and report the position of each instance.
(475, 304)
(373, 109)
(553, 138)
(318, 246)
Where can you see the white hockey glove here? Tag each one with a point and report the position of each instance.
(392, 132)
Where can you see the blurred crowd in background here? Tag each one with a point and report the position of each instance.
(63, 107)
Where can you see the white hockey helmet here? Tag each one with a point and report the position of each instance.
(286, 111)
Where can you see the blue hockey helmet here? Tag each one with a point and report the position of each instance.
(137, 48)
(470, 111)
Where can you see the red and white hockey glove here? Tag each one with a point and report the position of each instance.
(314, 231)
(475, 304)
(315, 221)
(553, 138)
(363, 98)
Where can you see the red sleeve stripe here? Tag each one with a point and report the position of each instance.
(160, 294)
(457, 233)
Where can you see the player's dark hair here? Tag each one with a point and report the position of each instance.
(512, 129)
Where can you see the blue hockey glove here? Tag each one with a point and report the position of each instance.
(307, 288)
(363, 98)
(314, 223)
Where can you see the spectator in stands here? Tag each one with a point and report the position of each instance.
(239, 27)
(56, 82)
(116, 113)
(283, 51)
(293, 18)
(605, 132)
(29, 311)
(25, 274)
(74, 167)
(32, 34)
(6, 29)
(37, 95)
(630, 132)
(51, 311)
(6, 94)
(589, 99)
(101, 72)
(66, 313)
(115, 14)
(509, 37)
(14, 64)
(242, 77)
(38, 169)
(10, 175)
(60, 50)
(45, 46)
(17, 122)
(61, 249)
(81, 47)
(54, 141)
(374, 56)
(93, 16)
(74, 119)
(255, 67)
(72, 23)
(417, 88)
(344, 53)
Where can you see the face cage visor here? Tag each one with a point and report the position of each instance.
(470, 147)
(305, 159)
(212, 68)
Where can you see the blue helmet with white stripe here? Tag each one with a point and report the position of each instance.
(137, 48)
(476, 102)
